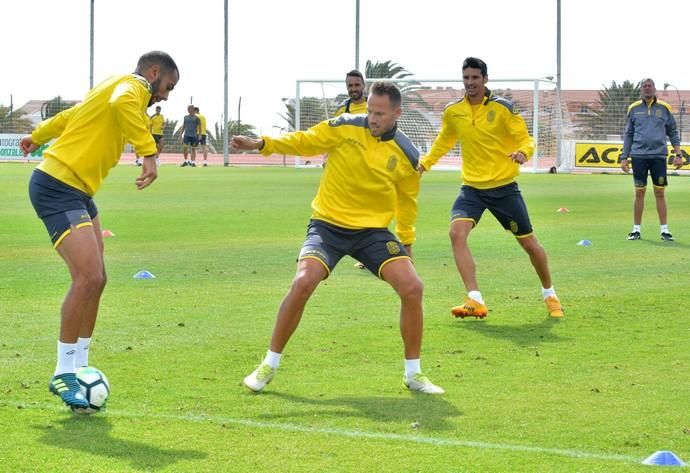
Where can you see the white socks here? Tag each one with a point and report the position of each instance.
(548, 292)
(664, 229)
(412, 367)
(66, 357)
(476, 295)
(636, 228)
(272, 359)
(82, 355)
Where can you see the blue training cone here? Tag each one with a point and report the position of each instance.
(584, 243)
(144, 275)
(663, 458)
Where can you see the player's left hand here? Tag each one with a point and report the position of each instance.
(518, 157)
(677, 162)
(149, 172)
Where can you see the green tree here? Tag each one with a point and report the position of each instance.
(610, 113)
(14, 121)
(54, 106)
(312, 110)
(215, 140)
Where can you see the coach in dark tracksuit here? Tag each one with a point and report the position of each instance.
(650, 121)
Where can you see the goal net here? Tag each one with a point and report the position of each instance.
(423, 104)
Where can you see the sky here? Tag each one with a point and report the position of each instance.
(272, 43)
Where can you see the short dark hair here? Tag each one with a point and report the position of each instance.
(354, 73)
(389, 89)
(196, 109)
(157, 57)
(475, 63)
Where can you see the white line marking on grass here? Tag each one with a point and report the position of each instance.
(357, 434)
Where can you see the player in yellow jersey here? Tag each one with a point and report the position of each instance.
(494, 141)
(89, 139)
(371, 179)
(357, 101)
(156, 125)
(202, 135)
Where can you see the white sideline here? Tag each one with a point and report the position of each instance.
(444, 442)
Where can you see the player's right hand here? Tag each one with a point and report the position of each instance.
(625, 166)
(27, 145)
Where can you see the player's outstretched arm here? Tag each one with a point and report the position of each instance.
(245, 143)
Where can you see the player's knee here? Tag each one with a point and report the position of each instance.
(91, 282)
(659, 192)
(458, 234)
(411, 289)
(304, 284)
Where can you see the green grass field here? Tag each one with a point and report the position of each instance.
(597, 392)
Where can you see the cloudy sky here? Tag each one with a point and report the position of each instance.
(272, 43)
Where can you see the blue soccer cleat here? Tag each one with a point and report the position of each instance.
(67, 387)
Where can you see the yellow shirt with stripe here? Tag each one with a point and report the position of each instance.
(369, 180)
(202, 124)
(348, 106)
(488, 134)
(91, 135)
(157, 123)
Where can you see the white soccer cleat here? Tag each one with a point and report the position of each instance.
(421, 383)
(259, 378)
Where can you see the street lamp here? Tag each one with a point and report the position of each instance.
(681, 104)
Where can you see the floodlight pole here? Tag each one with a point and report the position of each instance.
(559, 115)
(357, 34)
(226, 156)
(91, 50)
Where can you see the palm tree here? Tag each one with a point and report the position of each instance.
(312, 110)
(14, 121)
(416, 121)
(215, 140)
(610, 115)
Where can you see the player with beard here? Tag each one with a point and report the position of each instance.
(89, 139)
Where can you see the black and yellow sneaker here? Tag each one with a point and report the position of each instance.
(634, 236)
(666, 236)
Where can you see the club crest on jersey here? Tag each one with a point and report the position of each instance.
(491, 116)
(392, 161)
(393, 248)
(513, 226)
(658, 113)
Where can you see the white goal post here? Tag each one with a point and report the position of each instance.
(423, 103)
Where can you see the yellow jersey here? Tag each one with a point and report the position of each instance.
(368, 181)
(348, 106)
(91, 135)
(202, 124)
(488, 133)
(157, 122)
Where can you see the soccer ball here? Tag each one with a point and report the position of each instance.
(95, 388)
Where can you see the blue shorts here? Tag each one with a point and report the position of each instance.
(504, 202)
(157, 138)
(373, 247)
(61, 207)
(656, 167)
(202, 140)
(190, 140)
